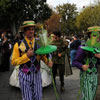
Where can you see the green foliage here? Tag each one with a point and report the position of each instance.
(90, 16)
(20, 10)
(68, 12)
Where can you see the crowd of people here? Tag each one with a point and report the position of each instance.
(22, 49)
(7, 41)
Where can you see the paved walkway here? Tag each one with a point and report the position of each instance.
(8, 92)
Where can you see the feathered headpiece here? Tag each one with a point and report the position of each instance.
(45, 42)
(92, 44)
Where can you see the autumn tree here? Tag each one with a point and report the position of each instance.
(53, 23)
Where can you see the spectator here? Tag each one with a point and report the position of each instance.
(5, 61)
(73, 48)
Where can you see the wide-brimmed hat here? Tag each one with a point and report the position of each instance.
(46, 49)
(90, 49)
(27, 24)
(94, 28)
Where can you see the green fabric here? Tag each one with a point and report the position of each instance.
(88, 83)
(46, 49)
(89, 79)
(90, 49)
(62, 48)
(45, 42)
(33, 23)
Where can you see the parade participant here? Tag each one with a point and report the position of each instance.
(86, 60)
(29, 70)
(58, 59)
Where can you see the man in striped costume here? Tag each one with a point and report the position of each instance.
(29, 70)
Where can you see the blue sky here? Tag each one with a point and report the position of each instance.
(79, 3)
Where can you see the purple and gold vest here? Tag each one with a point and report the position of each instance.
(33, 65)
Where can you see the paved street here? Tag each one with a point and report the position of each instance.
(8, 92)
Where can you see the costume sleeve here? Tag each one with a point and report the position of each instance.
(16, 58)
(78, 61)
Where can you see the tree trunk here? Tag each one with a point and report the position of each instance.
(13, 28)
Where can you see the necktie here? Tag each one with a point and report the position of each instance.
(31, 44)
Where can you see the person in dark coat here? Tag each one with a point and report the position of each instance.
(73, 48)
(58, 58)
(6, 52)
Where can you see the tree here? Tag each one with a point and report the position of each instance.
(13, 12)
(52, 24)
(68, 14)
(90, 16)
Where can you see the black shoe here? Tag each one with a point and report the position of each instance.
(62, 89)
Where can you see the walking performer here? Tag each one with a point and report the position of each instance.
(86, 60)
(29, 70)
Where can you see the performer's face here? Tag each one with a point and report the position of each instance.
(29, 32)
(94, 35)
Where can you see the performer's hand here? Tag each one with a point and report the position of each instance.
(59, 54)
(85, 67)
(97, 55)
(30, 53)
(50, 63)
(44, 58)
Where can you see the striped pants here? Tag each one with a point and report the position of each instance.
(31, 85)
(88, 85)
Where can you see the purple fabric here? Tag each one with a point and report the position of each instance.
(78, 61)
(31, 85)
(25, 69)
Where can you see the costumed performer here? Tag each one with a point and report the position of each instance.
(29, 70)
(86, 60)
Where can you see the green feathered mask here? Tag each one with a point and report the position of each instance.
(92, 44)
